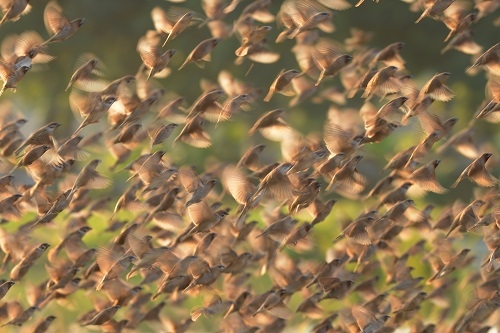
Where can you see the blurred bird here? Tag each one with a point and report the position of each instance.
(13, 9)
(22, 317)
(367, 321)
(456, 262)
(281, 84)
(58, 24)
(201, 52)
(44, 325)
(477, 172)
(4, 288)
(103, 316)
(435, 8)
(151, 54)
(489, 59)
(425, 177)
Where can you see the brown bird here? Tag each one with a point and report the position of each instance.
(329, 60)
(489, 59)
(251, 35)
(83, 77)
(384, 82)
(250, 159)
(207, 103)
(348, 177)
(96, 113)
(72, 240)
(43, 325)
(58, 24)
(208, 276)
(436, 88)
(161, 134)
(425, 177)
(390, 56)
(298, 234)
(172, 23)
(22, 317)
(4, 288)
(491, 109)
(477, 172)
(103, 316)
(42, 136)
(111, 264)
(194, 134)
(281, 84)
(31, 156)
(89, 177)
(232, 106)
(11, 75)
(13, 9)
(357, 230)
(151, 54)
(367, 321)
(273, 304)
(456, 262)
(435, 8)
(28, 259)
(201, 52)
(308, 15)
(458, 21)
(271, 125)
(467, 218)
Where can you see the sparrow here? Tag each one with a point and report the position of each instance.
(437, 89)
(44, 325)
(4, 288)
(151, 54)
(89, 177)
(22, 317)
(329, 60)
(172, 28)
(435, 8)
(477, 172)
(458, 21)
(13, 9)
(111, 264)
(425, 177)
(489, 59)
(10, 75)
(390, 56)
(103, 316)
(58, 24)
(456, 262)
(271, 125)
(367, 321)
(281, 84)
(96, 113)
(161, 134)
(467, 218)
(201, 52)
(83, 78)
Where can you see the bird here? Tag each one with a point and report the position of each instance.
(151, 54)
(58, 24)
(103, 316)
(13, 9)
(477, 172)
(5, 287)
(425, 178)
(281, 84)
(201, 52)
(435, 8)
(490, 59)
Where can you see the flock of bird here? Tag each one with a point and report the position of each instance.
(245, 235)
